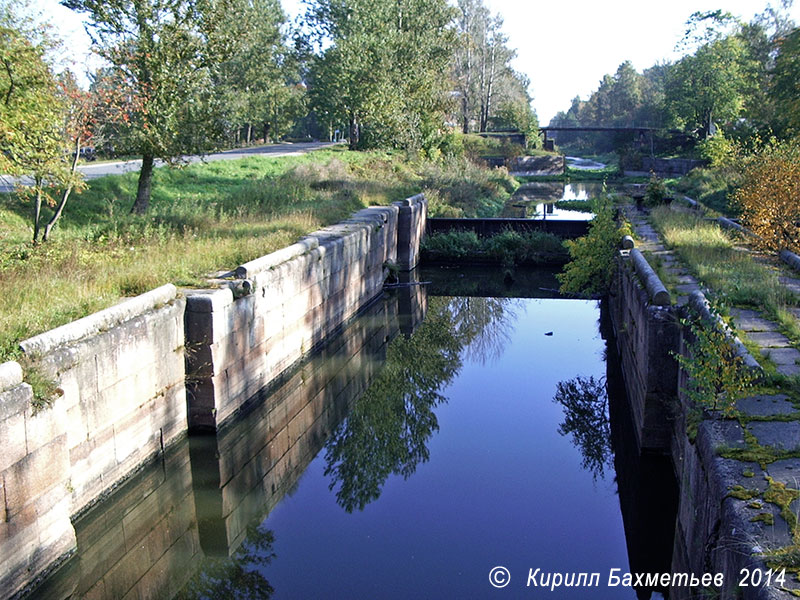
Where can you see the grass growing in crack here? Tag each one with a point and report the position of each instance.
(781, 496)
(45, 389)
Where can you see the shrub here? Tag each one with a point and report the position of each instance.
(591, 270)
(712, 187)
(509, 248)
(719, 151)
(453, 243)
(769, 198)
(717, 376)
(656, 191)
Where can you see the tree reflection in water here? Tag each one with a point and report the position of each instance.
(388, 428)
(237, 576)
(585, 402)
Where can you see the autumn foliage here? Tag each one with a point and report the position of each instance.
(769, 199)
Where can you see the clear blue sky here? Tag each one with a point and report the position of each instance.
(565, 47)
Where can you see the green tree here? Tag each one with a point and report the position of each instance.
(259, 83)
(712, 85)
(784, 90)
(164, 54)
(592, 268)
(32, 113)
(491, 93)
(382, 72)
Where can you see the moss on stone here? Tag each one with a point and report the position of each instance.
(778, 494)
(742, 493)
(764, 517)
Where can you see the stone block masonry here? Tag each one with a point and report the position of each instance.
(123, 374)
(120, 376)
(35, 529)
(647, 336)
(296, 298)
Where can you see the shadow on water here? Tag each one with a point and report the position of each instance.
(193, 525)
(598, 418)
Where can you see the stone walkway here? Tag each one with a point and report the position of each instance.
(770, 422)
(762, 332)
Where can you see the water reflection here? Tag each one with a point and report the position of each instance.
(194, 526)
(540, 200)
(585, 402)
(388, 428)
(237, 576)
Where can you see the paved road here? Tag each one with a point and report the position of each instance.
(93, 171)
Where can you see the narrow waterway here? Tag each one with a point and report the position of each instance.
(410, 458)
(555, 200)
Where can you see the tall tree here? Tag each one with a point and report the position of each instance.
(485, 82)
(709, 86)
(784, 90)
(163, 53)
(381, 72)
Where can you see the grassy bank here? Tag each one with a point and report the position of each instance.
(205, 218)
(713, 258)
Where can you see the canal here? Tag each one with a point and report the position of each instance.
(450, 429)
(555, 200)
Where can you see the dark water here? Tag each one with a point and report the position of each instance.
(398, 465)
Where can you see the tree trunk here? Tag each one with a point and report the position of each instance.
(354, 132)
(249, 133)
(145, 180)
(464, 114)
(37, 209)
(65, 194)
(266, 132)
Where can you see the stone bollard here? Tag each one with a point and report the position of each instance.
(410, 229)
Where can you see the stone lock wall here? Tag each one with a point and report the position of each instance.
(248, 467)
(123, 374)
(120, 376)
(647, 335)
(295, 298)
(35, 530)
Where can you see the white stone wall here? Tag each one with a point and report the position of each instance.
(35, 529)
(122, 376)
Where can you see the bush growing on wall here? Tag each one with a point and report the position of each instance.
(591, 269)
(769, 198)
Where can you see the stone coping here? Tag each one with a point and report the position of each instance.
(99, 321)
(699, 303)
(10, 375)
(655, 288)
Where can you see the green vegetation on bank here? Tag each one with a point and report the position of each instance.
(205, 218)
(508, 248)
(592, 266)
(711, 255)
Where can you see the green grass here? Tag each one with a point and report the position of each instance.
(712, 257)
(712, 187)
(508, 248)
(204, 218)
